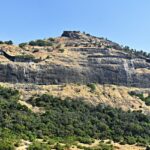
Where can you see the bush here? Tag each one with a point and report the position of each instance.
(6, 145)
(32, 43)
(130, 140)
(147, 101)
(106, 147)
(1, 42)
(141, 96)
(51, 39)
(92, 86)
(26, 56)
(61, 50)
(8, 42)
(22, 45)
(58, 147)
(39, 146)
(40, 43)
(51, 141)
(123, 143)
(86, 140)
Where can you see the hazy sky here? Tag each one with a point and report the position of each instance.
(124, 21)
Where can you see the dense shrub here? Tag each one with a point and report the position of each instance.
(135, 52)
(38, 146)
(6, 145)
(130, 140)
(81, 119)
(22, 45)
(58, 147)
(40, 43)
(61, 50)
(1, 42)
(69, 118)
(92, 86)
(51, 39)
(106, 147)
(26, 56)
(85, 140)
(6, 42)
(141, 96)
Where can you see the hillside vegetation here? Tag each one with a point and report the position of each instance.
(76, 91)
(68, 118)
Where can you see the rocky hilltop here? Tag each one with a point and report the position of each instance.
(75, 57)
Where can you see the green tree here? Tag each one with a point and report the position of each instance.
(22, 45)
(8, 42)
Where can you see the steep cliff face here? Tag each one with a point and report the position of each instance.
(90, 61)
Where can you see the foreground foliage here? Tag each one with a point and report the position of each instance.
(68, 118)
(142, 97)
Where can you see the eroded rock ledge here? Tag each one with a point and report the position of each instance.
(94, 70)
(79, 58)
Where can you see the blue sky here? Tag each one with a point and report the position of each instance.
(124, 21)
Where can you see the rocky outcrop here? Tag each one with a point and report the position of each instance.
(21, 58)
(84, 65)
(71, 34)
(95, 70)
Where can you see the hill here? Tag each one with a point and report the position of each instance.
(74, 54)
(75, 91)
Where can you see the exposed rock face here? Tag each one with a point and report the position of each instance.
(71, 34)
(18, 58)
(84, 65)
(103, 70)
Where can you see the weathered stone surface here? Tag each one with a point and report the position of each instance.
(84, 65)
(71, 34)
(98, 70)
